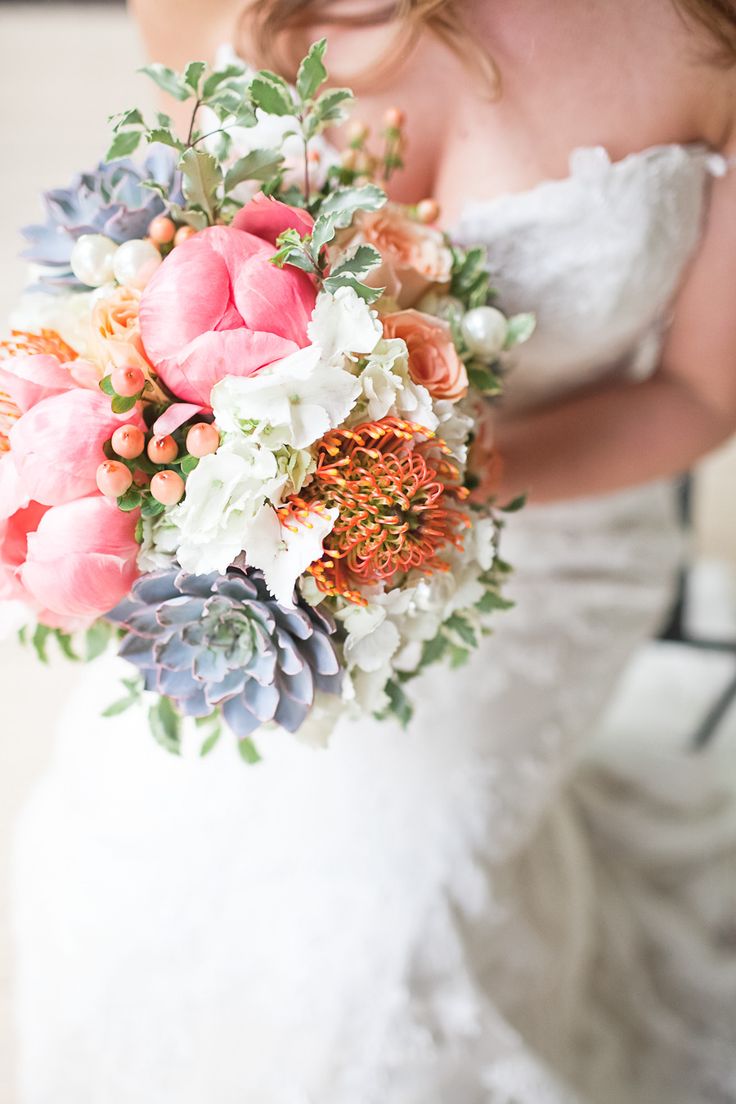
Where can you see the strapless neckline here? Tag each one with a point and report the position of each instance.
(594, 161)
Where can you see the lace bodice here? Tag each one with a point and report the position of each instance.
(597, 256)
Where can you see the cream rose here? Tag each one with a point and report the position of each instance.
(415, 257)
(433, 359)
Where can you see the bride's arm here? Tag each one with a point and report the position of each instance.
(627, 433)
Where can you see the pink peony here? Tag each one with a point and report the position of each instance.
(217, 307)
(56, 446)
(80, 560)
(267, 218)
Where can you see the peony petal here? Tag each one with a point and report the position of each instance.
(81, 559)
(267, 218)
(175, 417)
(57, 445)
(214, 355)
(276, 300)
(29, 379)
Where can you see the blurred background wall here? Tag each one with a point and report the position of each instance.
(63, 69)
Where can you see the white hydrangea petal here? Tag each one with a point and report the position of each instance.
(343, 323)
(284, 552)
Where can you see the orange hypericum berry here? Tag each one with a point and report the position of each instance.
(167, 487)
(162, 450)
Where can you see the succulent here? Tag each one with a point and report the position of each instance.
(211, 642)
(109, 200)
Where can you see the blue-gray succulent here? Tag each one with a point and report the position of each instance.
(211, 642)
(109, 200)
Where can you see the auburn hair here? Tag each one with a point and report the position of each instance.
(277, 32)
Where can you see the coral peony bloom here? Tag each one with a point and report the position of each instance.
(56, 447)
(80, 560)
(217, 307)
(267, 218)
(415, 257)
(28, 380)
(433, 359)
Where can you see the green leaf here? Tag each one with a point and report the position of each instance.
(358, 263)
(195, 219)
(271, 95)
(131, 500)
(39, 640)
(107, 387)
(166, 725)
(491, 600)
(121, 404)
(119, 706)
(167, 80)
(248, 751)
(202, 177)
(123, 144)
(400, 705)
(458, 656)
(340, 207)
(330, 107)
(212, 722)
(433, 650)
(126, 119)
(369, 294)
(151, 508)
(483, 378)
(64, 641)
(220, 77)
(166, 137)
(259, 164)
(96, 640)
(193, 74)
(458, 625)
(521, 328)
(515, 504)
(188, 464)
(312, 73)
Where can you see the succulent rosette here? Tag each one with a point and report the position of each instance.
(251, 440)
(213, 642)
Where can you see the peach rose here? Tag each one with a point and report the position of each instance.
(117, 335)
(415, 257)
(433, 359)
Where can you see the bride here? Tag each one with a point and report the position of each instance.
(495, 906)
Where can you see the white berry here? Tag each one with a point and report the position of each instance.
(92, 259)
(135, 263)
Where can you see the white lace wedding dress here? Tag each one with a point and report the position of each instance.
(490, 908)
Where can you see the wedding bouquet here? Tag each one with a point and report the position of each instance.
(236, 416)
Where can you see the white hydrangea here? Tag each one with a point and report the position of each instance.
(159, 542)
(291, 403)
(343, 324)
(224, 493)
(387, 388)
(284, 551)
(454, 428)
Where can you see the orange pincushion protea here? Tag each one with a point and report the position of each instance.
(397, 495)
(49, 342)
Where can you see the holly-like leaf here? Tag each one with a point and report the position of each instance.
(330, 106)
(358, 263)
(166, 137)
(219, 77)
(193, 74)
(271, 94)
(129, 118)
(201, 178)
(366, 293)
(168, 81)
(39, 640)
(341, 206)
(462, 628)
(259, 164)
(196, 219)
(312, 73)
(123, 144)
